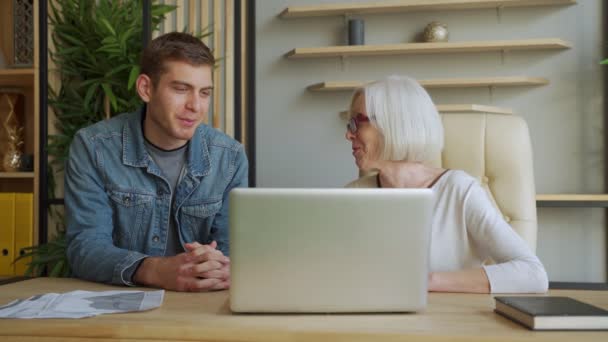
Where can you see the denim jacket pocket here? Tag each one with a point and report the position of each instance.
(198, 219)
(132, 212)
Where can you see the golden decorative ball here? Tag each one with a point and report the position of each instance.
(436, 32)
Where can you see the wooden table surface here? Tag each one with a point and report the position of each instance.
(206, 316)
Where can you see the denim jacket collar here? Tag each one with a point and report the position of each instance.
(134, 152)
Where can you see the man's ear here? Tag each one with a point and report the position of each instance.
(143, 85)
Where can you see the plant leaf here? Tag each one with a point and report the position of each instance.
(108, 26)
(90, 92)
(110, 94)
(133, 76)
(57, 269)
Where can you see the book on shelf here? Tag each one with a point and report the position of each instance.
(16, 231)
(552, 313)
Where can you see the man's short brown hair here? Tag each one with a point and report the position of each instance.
(173, 46)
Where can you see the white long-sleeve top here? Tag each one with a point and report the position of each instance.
(467, 230)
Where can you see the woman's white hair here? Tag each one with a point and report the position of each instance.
(405, 115)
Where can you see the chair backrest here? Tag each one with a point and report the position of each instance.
(496, 149)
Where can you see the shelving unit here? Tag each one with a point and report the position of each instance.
(347, 11)
(572, 200)
(17, 174)
(411, 6)
(442, 83)
(27, 81)
(17, 77)
(429, 48)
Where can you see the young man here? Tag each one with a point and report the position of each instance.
(146, 193)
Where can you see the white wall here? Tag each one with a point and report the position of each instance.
(300, 138)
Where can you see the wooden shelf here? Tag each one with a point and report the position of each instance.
(17, 77)
(462, 108)
(25, 81)
(475, 108)
(572, 200)
(16, 175)
(572, 197)
(428, 48)
(441, 83)
(410, 6)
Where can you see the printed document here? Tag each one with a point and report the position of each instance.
(79, 304)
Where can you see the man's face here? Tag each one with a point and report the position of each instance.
(177, 104)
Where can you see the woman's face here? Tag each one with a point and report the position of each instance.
(366, 141)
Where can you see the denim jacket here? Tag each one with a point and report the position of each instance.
(118, 203)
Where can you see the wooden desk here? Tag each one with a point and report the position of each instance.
(206, 316)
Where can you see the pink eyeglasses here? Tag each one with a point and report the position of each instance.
(355, 121)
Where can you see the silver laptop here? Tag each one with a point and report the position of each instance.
(329, 250)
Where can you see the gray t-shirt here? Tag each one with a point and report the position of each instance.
(171, 163)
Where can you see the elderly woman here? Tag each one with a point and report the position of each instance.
(396, 131)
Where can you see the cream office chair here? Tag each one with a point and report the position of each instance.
(496, 149)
